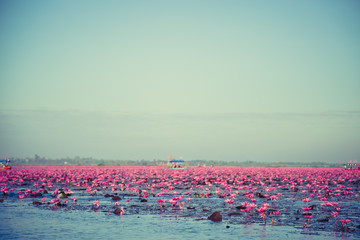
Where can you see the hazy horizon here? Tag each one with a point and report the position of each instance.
(257, 81)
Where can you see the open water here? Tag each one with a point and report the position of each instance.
(22, 220)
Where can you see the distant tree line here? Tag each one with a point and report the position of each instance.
(89, 161)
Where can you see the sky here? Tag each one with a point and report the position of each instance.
(264, 81)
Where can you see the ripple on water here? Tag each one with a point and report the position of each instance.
(143, 220)
(43, 224)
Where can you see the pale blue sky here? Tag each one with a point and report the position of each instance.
(225, 80)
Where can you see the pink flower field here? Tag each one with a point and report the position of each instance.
(320, 199)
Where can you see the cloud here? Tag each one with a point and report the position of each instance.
(106, 117)
(127, 135)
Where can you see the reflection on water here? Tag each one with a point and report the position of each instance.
(22, 221)
(263, 233)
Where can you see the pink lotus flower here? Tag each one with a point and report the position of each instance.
(181, 205)
(173, 202)
(334, 214)
(55, 192)
(55, 200)
(227, 182)
(261, 209)
(306, 209)
(246, 209)
(244, 204)
(263, 216)
(160, 201)
(276, 213)
(231, 201)
(273, 197)
(96, 203)
(122, 211)
(344, 222)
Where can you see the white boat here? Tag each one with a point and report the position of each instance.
(177, 164)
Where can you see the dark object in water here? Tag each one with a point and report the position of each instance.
(38, 194)
(37, 203)
(324, 220)
(118, 211)
(62, 195)
(234, 214)
(116, 198)
(143, 200)
(1, 200)
(327, 194)
(215, 217)
(260, 195)
(240, 207)
(59, 204)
